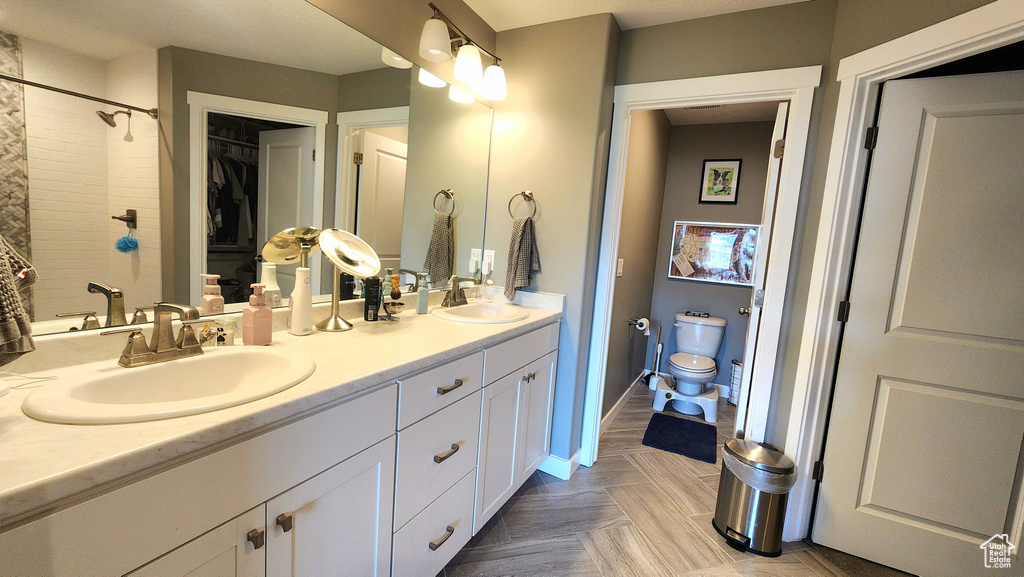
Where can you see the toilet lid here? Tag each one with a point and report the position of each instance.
(692, 363)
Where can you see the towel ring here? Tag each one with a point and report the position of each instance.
(447, 193)
(526, 194)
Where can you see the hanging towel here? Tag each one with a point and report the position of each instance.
(523, 258)
(441, 252)
(16, 273)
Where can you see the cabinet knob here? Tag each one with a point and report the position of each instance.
(444, 456)
(284, 521)
(256, 537)
(445, 390)
(440, 541)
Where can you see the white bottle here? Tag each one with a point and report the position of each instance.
(271, 290)
(300, 305)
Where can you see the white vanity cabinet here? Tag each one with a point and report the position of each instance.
(515, 423)
(226, 551)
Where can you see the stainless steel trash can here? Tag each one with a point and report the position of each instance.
(752, 495)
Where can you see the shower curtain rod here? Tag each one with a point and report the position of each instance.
(152, 112)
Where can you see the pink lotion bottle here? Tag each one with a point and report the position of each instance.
(257, 319)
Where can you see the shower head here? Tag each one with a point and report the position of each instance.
(108, 117)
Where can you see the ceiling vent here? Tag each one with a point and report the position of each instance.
(705, 107)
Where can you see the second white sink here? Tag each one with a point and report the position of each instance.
(486, 312)
(105, 393)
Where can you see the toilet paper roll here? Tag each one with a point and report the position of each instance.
(644, 325)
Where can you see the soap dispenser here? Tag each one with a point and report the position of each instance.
(257, 319)
(422, 294)
(271, 290)
(213, 302)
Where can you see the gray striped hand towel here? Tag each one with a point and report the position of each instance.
(523, 258)
(440, 259)
(16, 273)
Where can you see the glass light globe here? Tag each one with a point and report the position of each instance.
(392, 59)
(468, 67)
(459, 95)
(435, 44)
(493, 86)
(428, 79)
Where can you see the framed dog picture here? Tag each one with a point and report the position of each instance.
(719, 181)
(713, 252)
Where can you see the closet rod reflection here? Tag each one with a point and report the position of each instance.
(152, 112)
(238, 142)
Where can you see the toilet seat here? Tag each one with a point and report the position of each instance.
(691, 363)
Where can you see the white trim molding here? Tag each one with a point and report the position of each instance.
(200, 105)
(860, 77)
(349, 123)
(795, 85)
(559, 467)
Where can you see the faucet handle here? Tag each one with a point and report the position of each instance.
(187, 337)
(140, 315)
(135, 348)
(89, 322)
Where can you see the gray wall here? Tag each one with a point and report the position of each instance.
(690, 145)
(448, 148)
(380, 88)
(643, 193)
(551, 136)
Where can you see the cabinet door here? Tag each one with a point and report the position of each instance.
(236, 548)
(337, 523)
(496, 467)
(536, 399)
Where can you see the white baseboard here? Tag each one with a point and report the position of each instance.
(559, 467)
(607, 419)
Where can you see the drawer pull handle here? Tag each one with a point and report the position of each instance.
(256, 537)
(444, 456)
(284, 521)
(440, 541)
(531, 376)
(445, 390)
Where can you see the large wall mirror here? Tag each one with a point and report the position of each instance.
(272, 114)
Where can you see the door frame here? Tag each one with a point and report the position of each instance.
(348, 124)
(793, 84)
(860, 77)
(200, 104)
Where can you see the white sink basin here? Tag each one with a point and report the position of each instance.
(484, 312)
(105, 393)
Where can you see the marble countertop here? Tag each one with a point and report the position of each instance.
(44, 466)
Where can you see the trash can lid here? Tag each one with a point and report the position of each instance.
(765, 458)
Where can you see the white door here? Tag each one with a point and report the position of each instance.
(536, 400)
(337, 523)
(234, 549)
(924, 442)
(285, 189)
(381, 196)
(759, 363)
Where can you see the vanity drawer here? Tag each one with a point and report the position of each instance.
(450, 515)
(503, 358)
(419, 478)
(418, 394)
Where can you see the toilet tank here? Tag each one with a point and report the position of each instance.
(699, 335)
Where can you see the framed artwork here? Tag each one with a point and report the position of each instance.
(719, 181)
(713, 252)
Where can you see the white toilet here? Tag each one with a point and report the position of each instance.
(698, 339)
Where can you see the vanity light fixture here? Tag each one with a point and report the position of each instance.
(392, 59)
(435, 44)
(428, 79)
(459, 95)
(468, 67)
(438, 38)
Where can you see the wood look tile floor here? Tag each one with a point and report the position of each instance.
(637, 512)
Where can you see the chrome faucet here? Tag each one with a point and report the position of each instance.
(115, 303)
(455, 296)
(163, 345)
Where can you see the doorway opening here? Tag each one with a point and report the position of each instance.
(236, 220)
(795, 88)
(683, 250)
